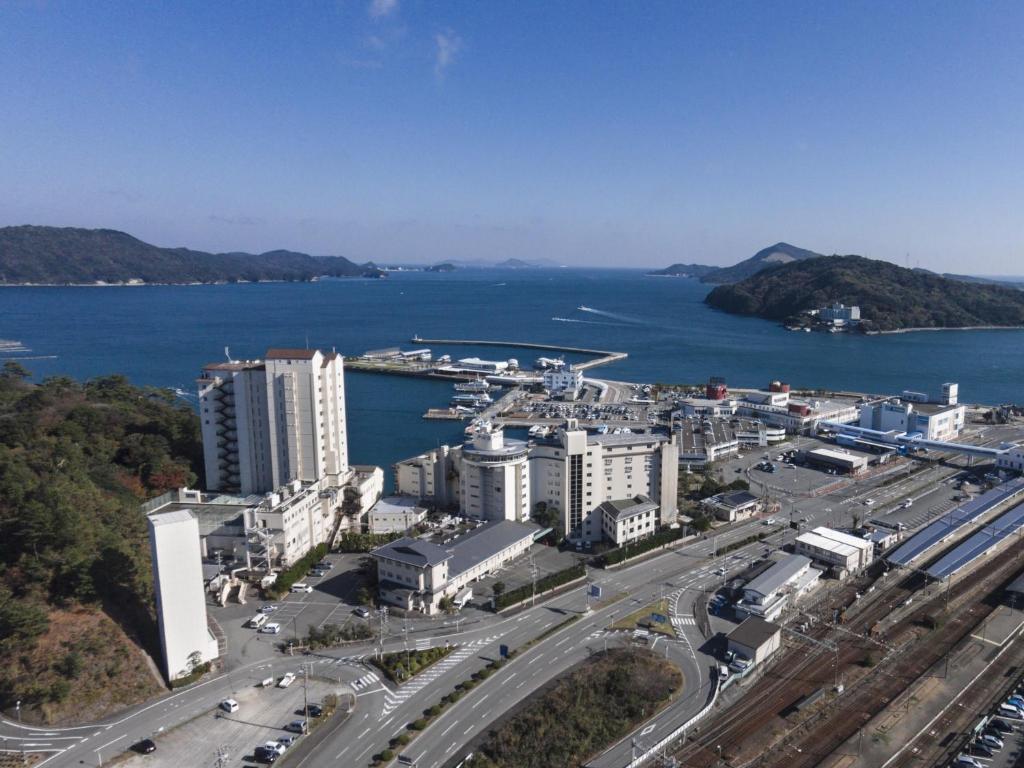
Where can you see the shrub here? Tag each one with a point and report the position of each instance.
(550, 581)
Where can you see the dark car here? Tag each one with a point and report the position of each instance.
(315, 710)
(144, 747)
(981, 750)
(1001, 725)
(264, 755)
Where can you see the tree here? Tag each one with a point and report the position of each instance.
(498, 588)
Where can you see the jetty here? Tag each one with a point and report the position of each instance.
(601, 356)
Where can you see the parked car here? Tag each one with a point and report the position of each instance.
(1000, 725)
(268, 608)
(314, 710)
(965, 759)
(264, 754)
(296, 726)
(272, 628)
(991, 740)
(739, 663)
(325, 564)
(980, 749)
(362, 613)
(144, 747)
(275, 746)
(287, 741)
(301, 587)
(286, 680)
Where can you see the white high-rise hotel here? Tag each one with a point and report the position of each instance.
(268, 422)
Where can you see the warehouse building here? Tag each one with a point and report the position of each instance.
(756, 639)
(768, 595)
(844, 462)
(835, 549)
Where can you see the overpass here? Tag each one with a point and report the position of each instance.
(915, 441)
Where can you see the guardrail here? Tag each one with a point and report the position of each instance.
(681, 730)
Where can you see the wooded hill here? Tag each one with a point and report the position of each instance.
(76, 598)
(63, 256)
(890, 297)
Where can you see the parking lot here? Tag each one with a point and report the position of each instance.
(332, 601)
(262, 716)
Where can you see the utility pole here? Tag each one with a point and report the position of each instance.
(533, 575)
(17, 708)
(305, 698)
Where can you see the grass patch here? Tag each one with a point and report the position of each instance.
(400, 666)
(642, 619)
(583, 712)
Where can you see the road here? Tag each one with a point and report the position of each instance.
(382, 711)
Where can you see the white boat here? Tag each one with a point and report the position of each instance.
(476, 385)
(549, 364)
(538, 430)
(474, 401)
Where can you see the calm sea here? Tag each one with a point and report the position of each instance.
(163, 335)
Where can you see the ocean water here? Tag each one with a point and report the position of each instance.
(162, 335)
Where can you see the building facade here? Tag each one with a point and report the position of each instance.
(835, 549)
(627, 520)
(394, 514)
(576, 472)
(185, 639)
(494, 478)
(268, 422)
(565, 383)
(933, 421)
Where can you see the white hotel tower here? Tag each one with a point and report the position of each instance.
(495, 479)
(268, 422)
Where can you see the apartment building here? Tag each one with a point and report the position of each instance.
(576, 472)
(268, 422)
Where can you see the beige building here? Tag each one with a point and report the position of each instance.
(576, 472)
(494, 478)
(394, 514)
(755, 639)
(835, 549)
(267, 422)
(414, 574)
(627, 520)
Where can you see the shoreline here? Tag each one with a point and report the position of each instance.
(948, 328)
(143, 284)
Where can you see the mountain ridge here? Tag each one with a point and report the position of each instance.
(44, 255)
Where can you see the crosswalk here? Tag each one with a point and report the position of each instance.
(394, 699)
(365, 682)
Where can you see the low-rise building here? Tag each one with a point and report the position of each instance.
(835, 549)
(734, 505)
(394, 514)
(768, 595)
(415, 574)
(843, 461)
(882, 539)
(627, 520)
(564, 383)
(430, 477)
(933, 421)
(755, 639)
(1012, 459)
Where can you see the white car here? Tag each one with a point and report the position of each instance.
(301, 587)
(286, 680)
(272, 628)
(869, 502)
(229, 705)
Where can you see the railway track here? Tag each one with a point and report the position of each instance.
(753, 733)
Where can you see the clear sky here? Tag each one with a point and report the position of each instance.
(605, 133)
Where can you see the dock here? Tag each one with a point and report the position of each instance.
(602, 357)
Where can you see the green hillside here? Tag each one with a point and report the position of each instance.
(890, 297)
(66, 255)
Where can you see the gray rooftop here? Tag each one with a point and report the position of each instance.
(634, 438)
(735, 498)
(621, 509)
(416, 552)
(394, 504)
(778, 575)
(486, 541)
(753, 632)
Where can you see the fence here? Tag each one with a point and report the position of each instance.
(681, 730)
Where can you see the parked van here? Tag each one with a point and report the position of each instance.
(1010, 711)
(723, 672)
(271, 629)
(229, 705)
(258, 620)
(301, 587)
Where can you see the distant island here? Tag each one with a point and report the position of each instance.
(446, 266)
(890, 298)
(772, 256)
(36, 255)
(522, 264)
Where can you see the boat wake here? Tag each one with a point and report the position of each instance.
(586, 322)
(612, 315)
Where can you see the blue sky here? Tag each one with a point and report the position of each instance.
(615, 134)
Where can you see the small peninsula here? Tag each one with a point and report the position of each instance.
(890, 298)
(36, 255)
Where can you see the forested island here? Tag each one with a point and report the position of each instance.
(33, 255)
(76, 594)
(891, 298)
